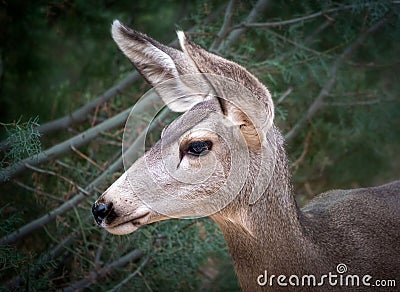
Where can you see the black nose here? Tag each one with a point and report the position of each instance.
(100, 211)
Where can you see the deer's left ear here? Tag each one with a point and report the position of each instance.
(251, 108)
(159, 63)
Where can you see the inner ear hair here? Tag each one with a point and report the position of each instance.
(239, 119)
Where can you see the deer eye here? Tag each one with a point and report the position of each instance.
(199, 148)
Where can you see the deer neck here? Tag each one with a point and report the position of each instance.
(269, 234)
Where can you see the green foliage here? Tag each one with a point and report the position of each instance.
(176, 250)
(15, 262)
(58, 55)
(23, 141)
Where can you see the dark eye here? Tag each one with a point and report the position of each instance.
(199, 148)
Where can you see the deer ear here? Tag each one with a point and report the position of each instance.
(253, 112)
(158, 63)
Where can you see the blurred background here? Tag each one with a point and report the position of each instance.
(65, 93)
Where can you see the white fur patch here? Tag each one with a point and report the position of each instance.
(181, 38)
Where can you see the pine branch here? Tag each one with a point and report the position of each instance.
(307, 41)
(94, 276)
(284, 95)
(299, 19)
(87, 158)
(23, 138)
(303, 154)
(49, 172)
(79, 197)
(291, 21)
(39, 192)
(258, 9)
(65, 207)
(99, 252)
(303, 47)
(81, 114)
(76, 141)
(58, 250)
(328, 22)
(318, 101)
(40, 222)
(357, 103)
(77, 170)
(64, 147)
(226, 25)
(127, 279)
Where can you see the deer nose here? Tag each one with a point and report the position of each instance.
(100, 211)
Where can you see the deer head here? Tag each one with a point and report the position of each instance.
(207, 160)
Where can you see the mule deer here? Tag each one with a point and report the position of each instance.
(266, 234)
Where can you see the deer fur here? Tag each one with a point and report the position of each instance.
(359, 227)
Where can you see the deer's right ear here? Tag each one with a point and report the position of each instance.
(158, 63)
